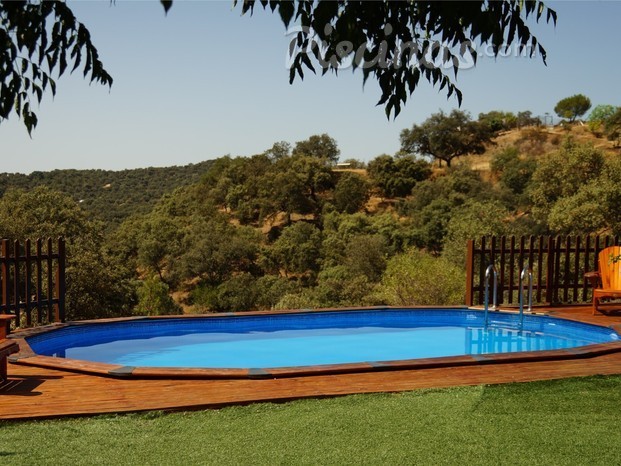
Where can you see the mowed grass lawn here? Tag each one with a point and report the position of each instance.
(571, 421)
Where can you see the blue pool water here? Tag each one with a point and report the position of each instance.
(312, 338)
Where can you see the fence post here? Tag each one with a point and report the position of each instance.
(469, 272)
(5, 276)
(27, 284)
(60, 281)
(16, 291)
(550, 271)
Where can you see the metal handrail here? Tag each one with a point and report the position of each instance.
(490, 269)
(529, 272)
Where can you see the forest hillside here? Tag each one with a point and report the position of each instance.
(291, 228)
(111, 196)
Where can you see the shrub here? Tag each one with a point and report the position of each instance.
(239, 293)
(154, 300)
(417, 278)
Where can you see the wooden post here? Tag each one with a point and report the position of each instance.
(39, 282)
(50, 282)
(501, 272)
(482, 267)
(576, 268)
(469, 271)
(511, 269)
(27, 285)
(16, 293)
(540, 252)
(550, 271)
(5, 325)
(60, 281)
(5, 275)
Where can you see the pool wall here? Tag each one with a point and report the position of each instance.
(257, 320)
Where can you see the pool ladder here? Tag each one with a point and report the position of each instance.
(526, 272)
(490, 269)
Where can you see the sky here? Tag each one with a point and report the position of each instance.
(204, 81)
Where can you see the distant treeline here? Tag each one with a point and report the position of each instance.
(112, 196)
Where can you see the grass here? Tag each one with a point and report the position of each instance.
(570, 421)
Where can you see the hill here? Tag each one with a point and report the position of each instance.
(536, 142)
(111, 196)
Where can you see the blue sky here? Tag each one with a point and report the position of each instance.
(204, 81)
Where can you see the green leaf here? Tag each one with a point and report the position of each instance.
(166, 4)
(286, 10)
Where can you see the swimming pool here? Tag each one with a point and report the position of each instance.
(293, 343)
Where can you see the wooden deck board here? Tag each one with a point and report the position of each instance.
(32, 392)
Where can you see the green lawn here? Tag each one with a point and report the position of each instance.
(572, 421)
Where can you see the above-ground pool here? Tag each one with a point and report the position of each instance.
(292, 343)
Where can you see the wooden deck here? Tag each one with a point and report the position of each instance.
(33, 393)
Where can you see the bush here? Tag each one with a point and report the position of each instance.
(154, 300)
(417, 278)
(239, 293)
(340, 287)
(271, 289)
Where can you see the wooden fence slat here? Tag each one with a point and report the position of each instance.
(575, 275)
(511, 269)
(5, 274)
(587, 253)
(558, 263)
(28, 284)
(60, 282)
(482, 267)
(16, 293)
(539, 273)
(566, 260)
(22, 281)
(469, 272)
(501, 279)
(50, 282)
(39, 272)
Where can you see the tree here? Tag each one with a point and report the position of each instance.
(351, 193)
(214, 250)
(445, 137)
(600, 114)
(98, 285)
(320, 146)
(297, 250)
(435, 201)
(279, 150)
(498, 121)
(473, 220)
(42, 37)
(396, 176)
(366, 255)
(294, 185)
(612, 128)
(526, 118)
(573, 107)
(561, 175)
(399, 42)
(38, 39)
(513, 171)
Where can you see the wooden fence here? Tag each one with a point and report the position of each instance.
(558, 265)
(33, 281)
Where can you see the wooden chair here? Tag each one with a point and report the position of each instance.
(7, 347)
(609, 276)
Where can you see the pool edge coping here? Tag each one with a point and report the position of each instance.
(28, 358)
